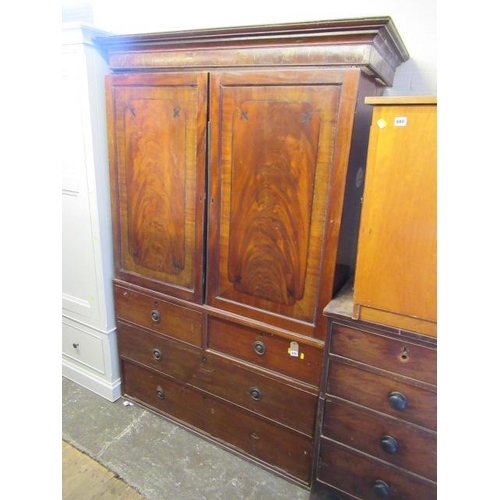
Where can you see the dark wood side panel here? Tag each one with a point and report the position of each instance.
(158, 129)
(279, 153)
(288, 452)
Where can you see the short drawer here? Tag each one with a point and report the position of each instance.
(270, 397)
(367, 478)
(399, 443)
(396, 355)
(159, 315)
(283, 449)
(174, 358)
(265, 350)
(82, 345)
(385, 394)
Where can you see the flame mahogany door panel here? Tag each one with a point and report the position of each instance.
(158, 158)
(279, 151)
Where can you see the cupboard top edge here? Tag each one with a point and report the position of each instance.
(373, 42)
(286, 34)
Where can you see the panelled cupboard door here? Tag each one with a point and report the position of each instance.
(279, 151)
(157, 142)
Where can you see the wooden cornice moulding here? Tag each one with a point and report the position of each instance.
(372, 44)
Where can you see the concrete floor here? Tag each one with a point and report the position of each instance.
(160, 459)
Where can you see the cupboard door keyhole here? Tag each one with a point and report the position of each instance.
(405, 354)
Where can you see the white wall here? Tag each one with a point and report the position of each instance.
(416, 21)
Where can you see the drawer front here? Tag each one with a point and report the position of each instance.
(416, 405)
(265, 350)
(276, 446)
(397, 442)
(161, 316)
(274, 399)
(394, 355)
(278, 400)
(83, 346)
(174, 358)
(368, 478)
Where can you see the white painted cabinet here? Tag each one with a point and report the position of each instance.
(89, 350)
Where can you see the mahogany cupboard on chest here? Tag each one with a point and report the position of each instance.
(229, 154)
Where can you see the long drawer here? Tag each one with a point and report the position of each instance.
(159, 315)
(398, 355)
(266, 350)
(271, 397)
(383, 393)
(395, 441)
(282, 449)
(369, 479)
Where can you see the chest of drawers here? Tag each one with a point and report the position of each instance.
(224, 381)
(377, 430)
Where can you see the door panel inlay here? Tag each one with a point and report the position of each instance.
(270, 224)
(156, 178)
